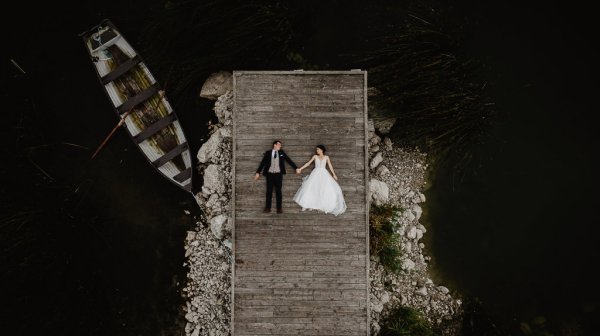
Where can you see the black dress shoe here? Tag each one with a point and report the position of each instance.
(267, 210)
(279, 210)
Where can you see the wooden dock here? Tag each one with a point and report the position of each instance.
(300, 273)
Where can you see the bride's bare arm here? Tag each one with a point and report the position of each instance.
(331, 168)
(308, 163)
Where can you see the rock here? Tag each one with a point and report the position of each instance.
(408, 265)
(226, 131)
(210, 147)
(422, 228)
(422, 197)
(382, 170)
(411, 233)
(376, 161)
(217, 226)
(380, 192)
(370, 127)
(217, 85)
(196, 332)
(227, 243)
(384, 125)
(387, 142)
(419, 234)
(376, 306)
(416, 209)
(443, 290)
(385, 297)
(214, 179)
(374, 149)
(421, 291)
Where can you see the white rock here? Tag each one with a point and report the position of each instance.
(379, 191)
(385, 297)
(416, 209)
(226, 131)
(217, 226)
(227, 243)
(408, 265)
(422, 197)
(419, 234)
(443, 289)
(217, 85)
(376, 306)
(421, 291)
(382, 170)
(384, 125)
(376, 161)
(411, 233)
(422, 228)
(388, 143)
(214, 178)
(210, 147)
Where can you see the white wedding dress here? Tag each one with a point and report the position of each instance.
(320, 191)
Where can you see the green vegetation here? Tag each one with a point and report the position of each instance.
(384, 239)
(404, 321)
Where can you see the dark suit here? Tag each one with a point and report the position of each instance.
(274, 179)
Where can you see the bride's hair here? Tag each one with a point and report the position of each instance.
(322, 148)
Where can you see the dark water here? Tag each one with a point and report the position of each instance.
(520, 233)
(102, 251)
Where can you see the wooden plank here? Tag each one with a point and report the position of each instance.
(300, 272)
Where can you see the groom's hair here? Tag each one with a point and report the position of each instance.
(275, 142)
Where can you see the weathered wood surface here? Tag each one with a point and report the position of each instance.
(300, 273)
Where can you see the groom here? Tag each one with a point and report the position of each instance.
(273, 167)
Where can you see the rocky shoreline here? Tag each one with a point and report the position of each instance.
(397, 178)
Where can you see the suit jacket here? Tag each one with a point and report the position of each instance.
(265, 164)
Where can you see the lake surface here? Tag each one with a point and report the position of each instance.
(103, 254)
(519, 233)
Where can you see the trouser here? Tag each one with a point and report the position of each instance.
(274, 180)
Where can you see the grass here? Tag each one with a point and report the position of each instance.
(441, 105)
(404, 321)
(384, 240)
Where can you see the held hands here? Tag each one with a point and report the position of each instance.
(256, 176)
(298, 170)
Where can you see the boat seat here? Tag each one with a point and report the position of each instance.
(170, 155)
(154, 128)
(183, 175)
(141, 97)
(121, 70)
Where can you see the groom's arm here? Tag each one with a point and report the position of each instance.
(287, 158)
(262, 165)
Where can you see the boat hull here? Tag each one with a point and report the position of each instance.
(138, 98)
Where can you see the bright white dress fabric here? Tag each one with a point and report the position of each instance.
(320, 191)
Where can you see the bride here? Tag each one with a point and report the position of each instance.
(320, 191)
